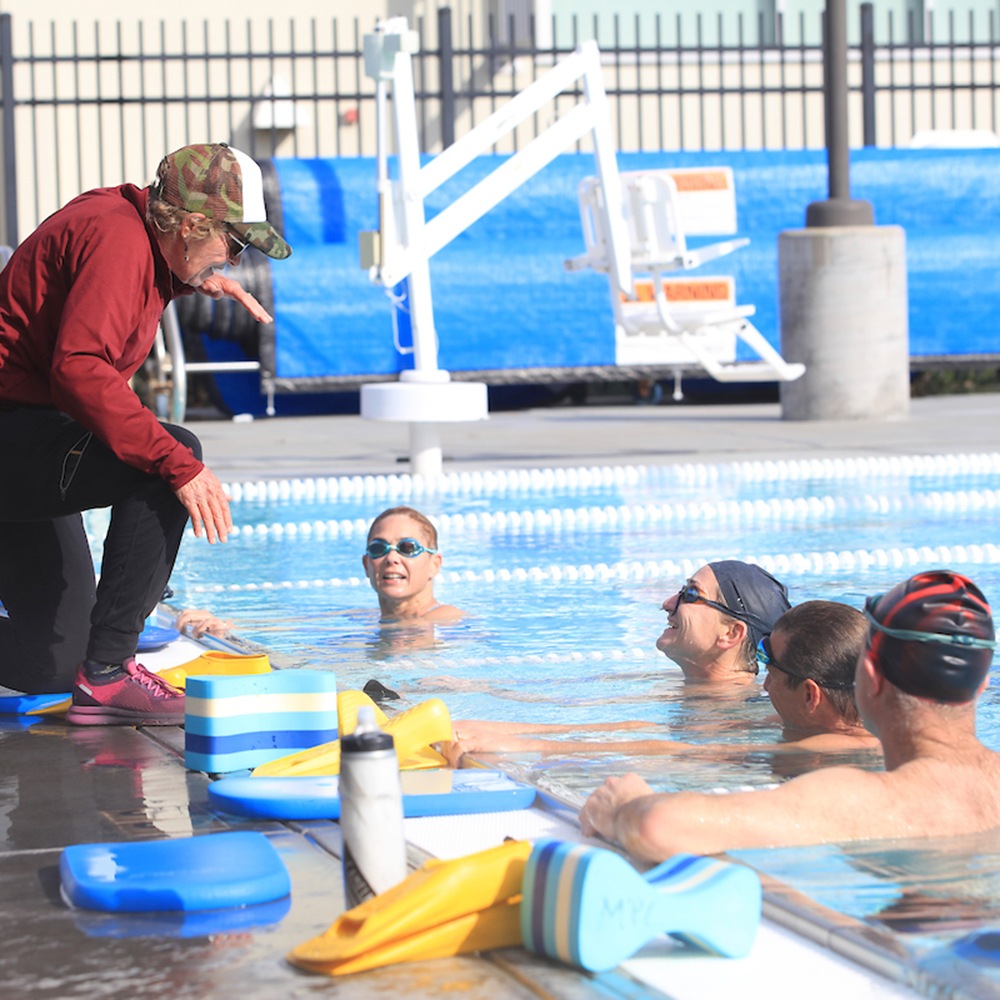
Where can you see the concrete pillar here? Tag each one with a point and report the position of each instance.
(844, 315)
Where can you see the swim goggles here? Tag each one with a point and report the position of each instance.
(689, 594)
(944, 638)
(766, 658)
(408, 548)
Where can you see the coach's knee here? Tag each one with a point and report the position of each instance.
(186, 438)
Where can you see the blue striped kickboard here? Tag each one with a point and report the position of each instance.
(235, 723)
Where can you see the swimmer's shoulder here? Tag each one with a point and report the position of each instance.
(443, 613)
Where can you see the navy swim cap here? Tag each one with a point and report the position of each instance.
(932, 636)
(752, 595)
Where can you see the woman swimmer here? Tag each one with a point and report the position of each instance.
(401, 560)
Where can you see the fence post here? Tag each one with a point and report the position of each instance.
(868, 73)
(446, 54)
(9, 148)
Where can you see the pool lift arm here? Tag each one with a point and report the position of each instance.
(425, 396)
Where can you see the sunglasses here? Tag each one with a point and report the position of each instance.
(766, 658)
(235, 245)
(408, 548)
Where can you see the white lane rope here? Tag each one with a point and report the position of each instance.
(625, 517)
(781, 565)
(402, 486)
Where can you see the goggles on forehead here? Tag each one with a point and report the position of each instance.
(908, 635)
(766, 658)
(408, 548)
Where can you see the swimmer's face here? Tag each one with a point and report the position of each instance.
(693, 628)
(395, 577)
(784, 697)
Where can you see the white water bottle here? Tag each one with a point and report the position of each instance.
(371, 811)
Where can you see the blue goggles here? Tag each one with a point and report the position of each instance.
(766, 658)
(408, 548)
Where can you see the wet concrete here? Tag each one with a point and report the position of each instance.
(64, 785)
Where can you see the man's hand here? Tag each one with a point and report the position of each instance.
(218, 286)
(208, 505)
(600, 812)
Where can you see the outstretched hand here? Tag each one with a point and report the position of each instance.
(200, 621)
(218, 286)
(208, 505)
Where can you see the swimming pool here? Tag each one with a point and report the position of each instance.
(563, 572)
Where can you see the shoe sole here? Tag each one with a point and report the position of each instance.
(103, 715)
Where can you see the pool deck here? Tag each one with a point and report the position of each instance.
(565, 436)
(63, 784)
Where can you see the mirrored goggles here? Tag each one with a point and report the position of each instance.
(766, 658)
(909, 635)
(689, 594)
(408, 548)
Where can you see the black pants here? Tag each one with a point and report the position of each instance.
(50, 470)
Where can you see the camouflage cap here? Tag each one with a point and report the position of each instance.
(222, 184)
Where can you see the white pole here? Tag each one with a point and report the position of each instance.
(425, 450)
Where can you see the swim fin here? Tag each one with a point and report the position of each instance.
(214, 662)
(443, 908)
(413, 731)
(495, 927)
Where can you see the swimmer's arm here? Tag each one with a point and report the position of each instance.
(487, 727)
(833, 804)
(507, 743)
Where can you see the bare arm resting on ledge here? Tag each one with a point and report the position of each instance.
(939, 779)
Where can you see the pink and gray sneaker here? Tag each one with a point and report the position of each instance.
(140, 698)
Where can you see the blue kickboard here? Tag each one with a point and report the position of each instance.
(210, 872)
(153, 637)
(425, 793)
(24, 704)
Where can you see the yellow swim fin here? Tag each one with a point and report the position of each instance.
(348, 703)
(496, 927)
(438, 894)
(413, 730)
(215, 661)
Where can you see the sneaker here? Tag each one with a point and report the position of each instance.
(139, 698)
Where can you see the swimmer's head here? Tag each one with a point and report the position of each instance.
(427, 529)
(821, 641)
(932, 636)
(753, 596)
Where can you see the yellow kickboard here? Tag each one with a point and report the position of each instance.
(214, 662)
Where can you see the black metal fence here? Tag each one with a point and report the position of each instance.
(88, 108)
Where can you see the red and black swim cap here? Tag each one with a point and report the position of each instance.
(932, 636)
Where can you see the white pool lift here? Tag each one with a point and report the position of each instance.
(632, 226)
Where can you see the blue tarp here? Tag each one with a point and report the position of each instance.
(503, 300)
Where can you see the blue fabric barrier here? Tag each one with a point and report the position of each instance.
(501, 296)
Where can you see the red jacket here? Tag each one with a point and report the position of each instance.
(80, 301)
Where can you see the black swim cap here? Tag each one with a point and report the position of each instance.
(932, 636)
(752, 595)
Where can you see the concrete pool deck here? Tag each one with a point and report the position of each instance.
(292, 447)
(63, 784)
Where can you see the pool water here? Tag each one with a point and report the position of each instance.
(563, 573)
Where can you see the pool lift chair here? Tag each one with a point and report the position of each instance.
(425, 396)
(669, 321)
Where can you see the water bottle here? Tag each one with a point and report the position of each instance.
(371, 811)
